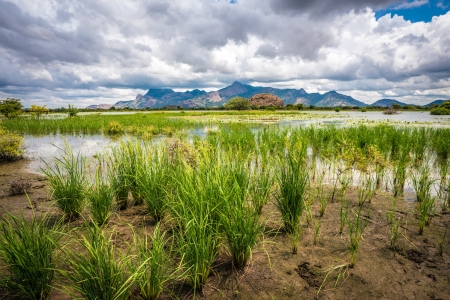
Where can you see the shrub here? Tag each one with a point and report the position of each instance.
(10, 108)
(238, 103)
(114, 127)
(440, 111)
(363, 109)
(337, 109)
(11, 146)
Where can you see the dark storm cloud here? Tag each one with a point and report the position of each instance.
(36, 40)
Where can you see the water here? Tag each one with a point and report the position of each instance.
(47, 147)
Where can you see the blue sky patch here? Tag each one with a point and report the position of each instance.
(417, 10)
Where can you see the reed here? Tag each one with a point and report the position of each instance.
(27, 250)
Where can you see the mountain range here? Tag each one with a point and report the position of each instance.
(158, 98)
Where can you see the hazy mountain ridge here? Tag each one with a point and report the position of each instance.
(158, 98)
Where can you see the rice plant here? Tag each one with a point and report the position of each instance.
(422, 183)
(67, 182)
(27, 251)
(261, 187)
(394, 226)
(152, 182)
(198, 246)
(366, 190)
(153, 265)
(426, 211)
(356, 227)
(293, 183)
(100, 197)
(99, 271)
(193, 207)
(239, 224)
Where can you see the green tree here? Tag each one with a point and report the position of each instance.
(38, 110)
(72, 111)
(238, 103)
(300, 106)
(10, 107)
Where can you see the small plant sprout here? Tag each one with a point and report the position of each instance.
(393, 230)
(343, 215)
(317, 225)
(391, 213)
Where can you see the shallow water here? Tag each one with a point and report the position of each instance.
(40, 149)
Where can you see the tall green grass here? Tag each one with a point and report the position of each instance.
(27, 250)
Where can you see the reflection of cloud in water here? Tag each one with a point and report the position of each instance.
(46, 148)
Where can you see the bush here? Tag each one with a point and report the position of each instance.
(443, 109)
(363, 109)
(238, 103)
(337, 109)
(440, 111)
(10, 108)
(11, 146)
(114, 127)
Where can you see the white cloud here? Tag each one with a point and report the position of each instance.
(415, 3)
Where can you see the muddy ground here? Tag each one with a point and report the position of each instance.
(415, 270)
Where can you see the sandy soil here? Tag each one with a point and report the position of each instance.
(414, 271)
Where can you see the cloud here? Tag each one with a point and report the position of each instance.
(57, 49)
(413, 4)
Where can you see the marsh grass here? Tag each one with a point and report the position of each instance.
(67, 182)
(28, 249)
(99, 271)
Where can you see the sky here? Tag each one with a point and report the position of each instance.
(83, 52)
